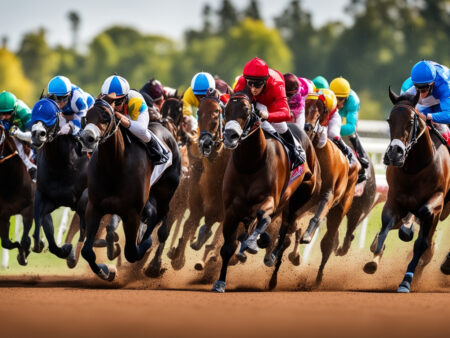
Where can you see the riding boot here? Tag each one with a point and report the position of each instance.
(297, 155)
(362, 156)
(158, 155)
(346, 150)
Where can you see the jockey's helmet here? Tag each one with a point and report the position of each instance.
(406, 85)
(115, 86)
(340, 87)
(201, 82)
(423, 72)
(59, 86)
(292, 83)
(330, 99)
(256, 69)
(320, 82)
(8, 102)
(155, 90)
(45, 110)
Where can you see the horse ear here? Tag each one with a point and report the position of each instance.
(416, 98)
(393, 96)
(42, 94)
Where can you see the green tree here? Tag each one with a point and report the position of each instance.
(252, 11)
(74, 19)
(38, 59)
(228, 16)
(12, 77)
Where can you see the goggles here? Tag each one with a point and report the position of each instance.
(256, 83)
(61, 98)
(423, 87)
(120, 100)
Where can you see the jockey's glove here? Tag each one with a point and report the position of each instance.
(21, 135)
(261, 111)
(65, 129)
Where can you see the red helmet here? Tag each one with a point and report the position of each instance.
(256, 69)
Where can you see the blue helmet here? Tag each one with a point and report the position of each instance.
(423, 72)
(59, 86)
(201, 82)
(45, 110)
(115, 85)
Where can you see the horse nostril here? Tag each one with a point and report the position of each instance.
(41, 133)
(90, 139)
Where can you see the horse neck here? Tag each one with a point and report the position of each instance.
(251, 152)
(58, 152)
(111, 153)
(420, 155)
(9, 170)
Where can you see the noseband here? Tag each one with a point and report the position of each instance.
(217, 138)
(252, 123)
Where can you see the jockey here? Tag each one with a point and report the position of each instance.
(200, 84)
(320, 82)
(72, 101)
(432, 80)
(132, 112)
(348, 105)
(266, 87)
(16, 118)
(155, 93)
(297, 90)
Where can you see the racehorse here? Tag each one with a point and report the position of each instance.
(418, 175)
(61, 181)
(445, 267)
(119, 175)
(16, 195)
(257, 184)
(338, 183)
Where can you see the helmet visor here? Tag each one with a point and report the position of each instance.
(423, 87)
(256, 83)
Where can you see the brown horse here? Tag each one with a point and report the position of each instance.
(418, 175)
(445, 267)
(257, 184)
(119, 175)
(338, 183)
(16, 196)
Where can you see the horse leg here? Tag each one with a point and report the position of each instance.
(445, 267)
(4, 235)
(429, 215)
(352, 223)
(294, 256)
(263, 215)
(78, 222)
(38, 207)
(230, 226)
(388, 221)
(277, 254)
(210, 253)
(25, 243)
(154, 269)
(73, 229)
(93, 218)
(112, 248)
(327, 245)
(204, 233)
(314, 223)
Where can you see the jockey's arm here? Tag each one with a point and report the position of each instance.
(441, 114)
(349, 127)
(23, 127)
(189, 101)
(279, 109)
(139, 127)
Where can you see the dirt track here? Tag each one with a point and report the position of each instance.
(70, 311)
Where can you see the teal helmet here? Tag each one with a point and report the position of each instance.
(320, 82)
(8, 102)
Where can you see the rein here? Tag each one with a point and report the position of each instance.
(253, 121)
(217, 139)
(2, 142)
(414, 137)
(113, 124)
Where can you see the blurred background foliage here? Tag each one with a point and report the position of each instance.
(385, 40)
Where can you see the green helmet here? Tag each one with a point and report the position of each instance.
(8, 102)
(320, 82)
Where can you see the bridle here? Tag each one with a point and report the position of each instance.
(2, 146)
(217, 137)
(113, 124)
(253, 120)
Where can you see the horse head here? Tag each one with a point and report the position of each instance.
(405, 128)
(173, 108)
(240, 118)
(315, 115)
(101, 123)
(211, 123)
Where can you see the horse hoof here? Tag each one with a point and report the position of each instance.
(196, 245)
(154, 272)
(107, 273)
(242, 257)
(404, 287)
(178, 264)
(270, 261)
(171, 254)
(370, 268)
(199, 266)
(306, 239)
(406, 234)
(273, 282)
(100, 243)
(445, 267)
(295, 259)
(263, 240)
(22, 259)
(113, 253)
(71, 260)
(38, 246)
(219, 286)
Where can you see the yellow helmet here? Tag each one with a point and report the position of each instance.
(329, 99)
(340, 87)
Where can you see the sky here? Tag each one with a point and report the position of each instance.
(169, 18)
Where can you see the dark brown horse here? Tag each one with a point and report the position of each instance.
(119, 175)
(16, 195)
(445, 267)
(257, 184)
(418, 175)
(338, 183)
